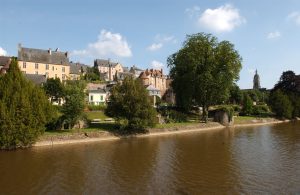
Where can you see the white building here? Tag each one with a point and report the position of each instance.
(97, 97)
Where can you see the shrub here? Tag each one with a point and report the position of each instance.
(261, 110)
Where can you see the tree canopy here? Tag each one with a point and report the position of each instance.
(129, 103)
(54, 89)
(286, 92)
(203, 71)
(24, 109)
(73, 107)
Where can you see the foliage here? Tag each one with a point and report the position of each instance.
(73, 107)
(228, 109)
(261, 110)
(247, 105)
(281, 104)
(235, 95)
(92, 74)
(24, 109)
(203, 71)
(54, 89)
(130, 105)
(97, 107)
(288, 87)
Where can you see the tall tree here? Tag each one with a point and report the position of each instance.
(24, 109)
(73, 107)
(54, 89)
(203, 71)
(129, 103)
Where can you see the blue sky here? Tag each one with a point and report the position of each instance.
(265, 32)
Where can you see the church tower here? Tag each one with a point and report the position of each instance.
(256, 81)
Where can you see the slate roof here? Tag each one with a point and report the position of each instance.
(75, 68)
(105, 63)
(4, 60)
(43, 56)
(151, 88)
(36, 79)
(97, 91)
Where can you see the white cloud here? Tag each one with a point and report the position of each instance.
(160, 41)
(2, 52)
(294, 16)
(108, 44)
(157, 65)
(274, 35)
(192, 12)
(155, 46)
(221, 19)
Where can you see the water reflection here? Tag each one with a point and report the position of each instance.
(246, 160)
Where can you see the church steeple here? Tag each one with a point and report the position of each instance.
(256, 81)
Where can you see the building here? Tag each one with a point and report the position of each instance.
(97, 97)
(256, 81)
(153, 93)
(52, 64)
(77, 70)
(4, 64)
(108, 69)
(135, 71)
(36, 79)
(155, 78)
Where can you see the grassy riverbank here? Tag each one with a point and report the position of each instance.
(108, 131)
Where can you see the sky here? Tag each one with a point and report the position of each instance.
(266, 33)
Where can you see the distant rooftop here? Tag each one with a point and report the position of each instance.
(105, 63)
(43, 56)
(75, 68)
(36, 79)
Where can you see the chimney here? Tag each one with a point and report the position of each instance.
(161, 71)
(49, 51)
(67, 54)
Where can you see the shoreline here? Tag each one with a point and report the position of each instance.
(106, 136)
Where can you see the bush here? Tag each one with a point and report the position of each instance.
(100, 107)
(130, 106)
(178, 117)
(261, 110)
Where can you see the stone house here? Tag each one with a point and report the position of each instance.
(52, 64)
(155, 78)
(108, 69)
(97, 97)
(77, 70)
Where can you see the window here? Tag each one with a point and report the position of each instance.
(24, 64)
(36, 66)
(47, 66)
(36, 72)
(63, 69)
(101, 97)
(92, 97)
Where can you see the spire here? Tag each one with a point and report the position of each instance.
(256, 81)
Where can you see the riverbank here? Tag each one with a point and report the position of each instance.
(96, 136)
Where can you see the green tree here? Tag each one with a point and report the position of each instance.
(74, 104)
(130, 105)
(54, 89)
(24, 109)
(280, 104)
(203, 71)
(247, 104)
(235, 95)
(92, 74)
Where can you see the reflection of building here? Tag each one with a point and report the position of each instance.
(52, 64)
(108, 69)
(155, 78)
(256, 81)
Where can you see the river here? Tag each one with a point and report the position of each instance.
(249, 160)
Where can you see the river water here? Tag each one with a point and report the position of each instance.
(249, 160)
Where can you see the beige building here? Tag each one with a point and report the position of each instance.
(52, 64)
(77, 70)
(108, 69)
(155, 78)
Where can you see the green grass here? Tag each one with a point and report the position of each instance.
(168, 125)
(246, 119)
(96, 115)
